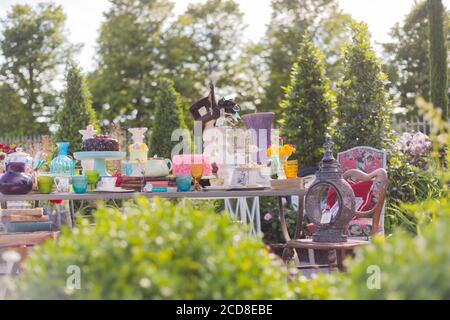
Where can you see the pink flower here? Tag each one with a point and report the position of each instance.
(268, 217)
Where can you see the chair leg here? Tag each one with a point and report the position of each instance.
(288, 255)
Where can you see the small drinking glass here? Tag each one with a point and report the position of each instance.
(184, 182)
(197, 173)
(291, 169)
(93, 177)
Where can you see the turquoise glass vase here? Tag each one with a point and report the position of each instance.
(63, 164)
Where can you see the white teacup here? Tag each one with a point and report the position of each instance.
(107, 182)
(62, 184)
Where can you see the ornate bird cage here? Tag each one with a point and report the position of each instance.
(330, 201)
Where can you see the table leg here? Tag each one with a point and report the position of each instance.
(332, 257)
(284, 228)
(299, 226)
(340, 260)
(72, 213)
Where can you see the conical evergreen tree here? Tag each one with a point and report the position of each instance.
(308, 106)
(77, 111)
(168, 117)
(438, 57)
(364, 109)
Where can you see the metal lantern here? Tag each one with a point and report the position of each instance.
(330, 201)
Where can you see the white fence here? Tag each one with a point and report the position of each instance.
(21, 140)
(415, 124)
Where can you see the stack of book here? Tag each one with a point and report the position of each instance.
(164, 182)
(25, 220)
(132, 183)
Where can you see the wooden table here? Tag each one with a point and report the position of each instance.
(22, 242)
(104, 196)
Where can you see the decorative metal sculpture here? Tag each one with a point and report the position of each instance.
(212, 109)
(330, 218)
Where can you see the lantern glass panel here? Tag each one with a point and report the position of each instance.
(321, 210)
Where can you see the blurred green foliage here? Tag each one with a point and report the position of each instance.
(169, 117)
(408, 185)
(270, 220)
(77, 111)
(328, 27)
(155, 251)
(33, 46)
(438, 27)
(309, 106)
(364, 108)
(410, 267)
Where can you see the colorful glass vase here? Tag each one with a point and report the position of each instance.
(63, 164)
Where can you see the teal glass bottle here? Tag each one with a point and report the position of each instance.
(63, 164)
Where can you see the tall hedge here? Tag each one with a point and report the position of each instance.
(77, 111)
(438, 56)
(168, 117)
(308, 105)
(364, 109)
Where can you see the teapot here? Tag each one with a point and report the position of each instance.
(157, 167)
(21, 157)
(15, 180)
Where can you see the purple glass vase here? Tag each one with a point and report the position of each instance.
(261, 123)
(15, 181)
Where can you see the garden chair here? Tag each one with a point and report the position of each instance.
(366, 160)
(361, 164)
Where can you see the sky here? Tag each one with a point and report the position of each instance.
(84, 18)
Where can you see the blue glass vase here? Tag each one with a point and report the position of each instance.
(63, 164)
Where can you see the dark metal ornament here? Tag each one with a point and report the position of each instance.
(212, 108)
(329, 177)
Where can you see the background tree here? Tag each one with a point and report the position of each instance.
(407, 60)
(308, 106)
(168, 117)
(77, 111)
(438, 57)
(210, 35)
(328, 27)
(364, 108)
(13, 119)
(129, 61)
(33, 45)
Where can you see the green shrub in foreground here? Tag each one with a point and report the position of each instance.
(411, 267)
(155, 251)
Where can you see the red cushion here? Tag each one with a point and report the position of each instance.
(361, 189)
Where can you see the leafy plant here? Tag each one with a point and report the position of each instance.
(410, 267)
(169, 117)
(416, 147)
(308, 106)
(438, 56)
(270, 220)
(155, 251)
(77, 111)
(407, 184)
(364, 108)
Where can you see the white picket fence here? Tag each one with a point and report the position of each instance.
(414, 124)
(21, 140)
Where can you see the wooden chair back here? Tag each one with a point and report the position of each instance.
(367, 160)
(379, 188)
